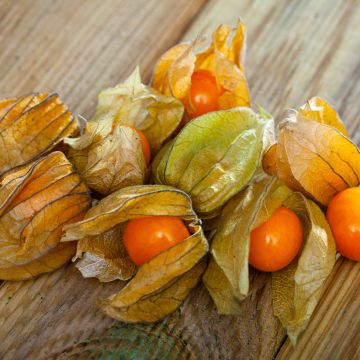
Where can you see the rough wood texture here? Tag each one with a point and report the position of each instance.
(297, 49)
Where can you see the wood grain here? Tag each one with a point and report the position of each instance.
(75, 48)
(296, 49)
(333, 332)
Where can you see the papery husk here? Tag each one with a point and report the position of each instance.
(109, 154)
(230, 246)
(108, 159)
(104, 256)
(319, 110)
(159, 285)
(36, 201)
(162, 269)
(155, 306)
(313, 153)
(221, 291)
(269, 144)
(269, 160)
(297, 288)
(213, 157)
(314, 158)
(102, 228)
(54, 259)
(30, 126)
(224, 59)
(142, 107)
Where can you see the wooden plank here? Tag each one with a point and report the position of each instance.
(333, 332)
(75, 48)
(79, 48)
(296, 50)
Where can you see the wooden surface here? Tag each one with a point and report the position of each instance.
(296, 49)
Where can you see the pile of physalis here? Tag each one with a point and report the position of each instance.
(133, 194)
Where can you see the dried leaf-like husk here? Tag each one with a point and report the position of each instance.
(221, 290)
(213, 157)
(54, 259)
(108, 160)
(36, 201)
(157, 305)
(159, 163)
(101, 230)
(269, 160)
(172, 73)
(159, 285)
(230, 246)
(141, 106)
(6, 104)
(162, 269)
(224, 58)
(104, 256)
(30, 126)
(112, 158)
(269, 146)
(316, 159)
(313, 154)
(318, 109)
(298, 288)
(130, 203)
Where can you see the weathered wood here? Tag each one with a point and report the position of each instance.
(297, 49)
(334, 330)
(75, 48)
